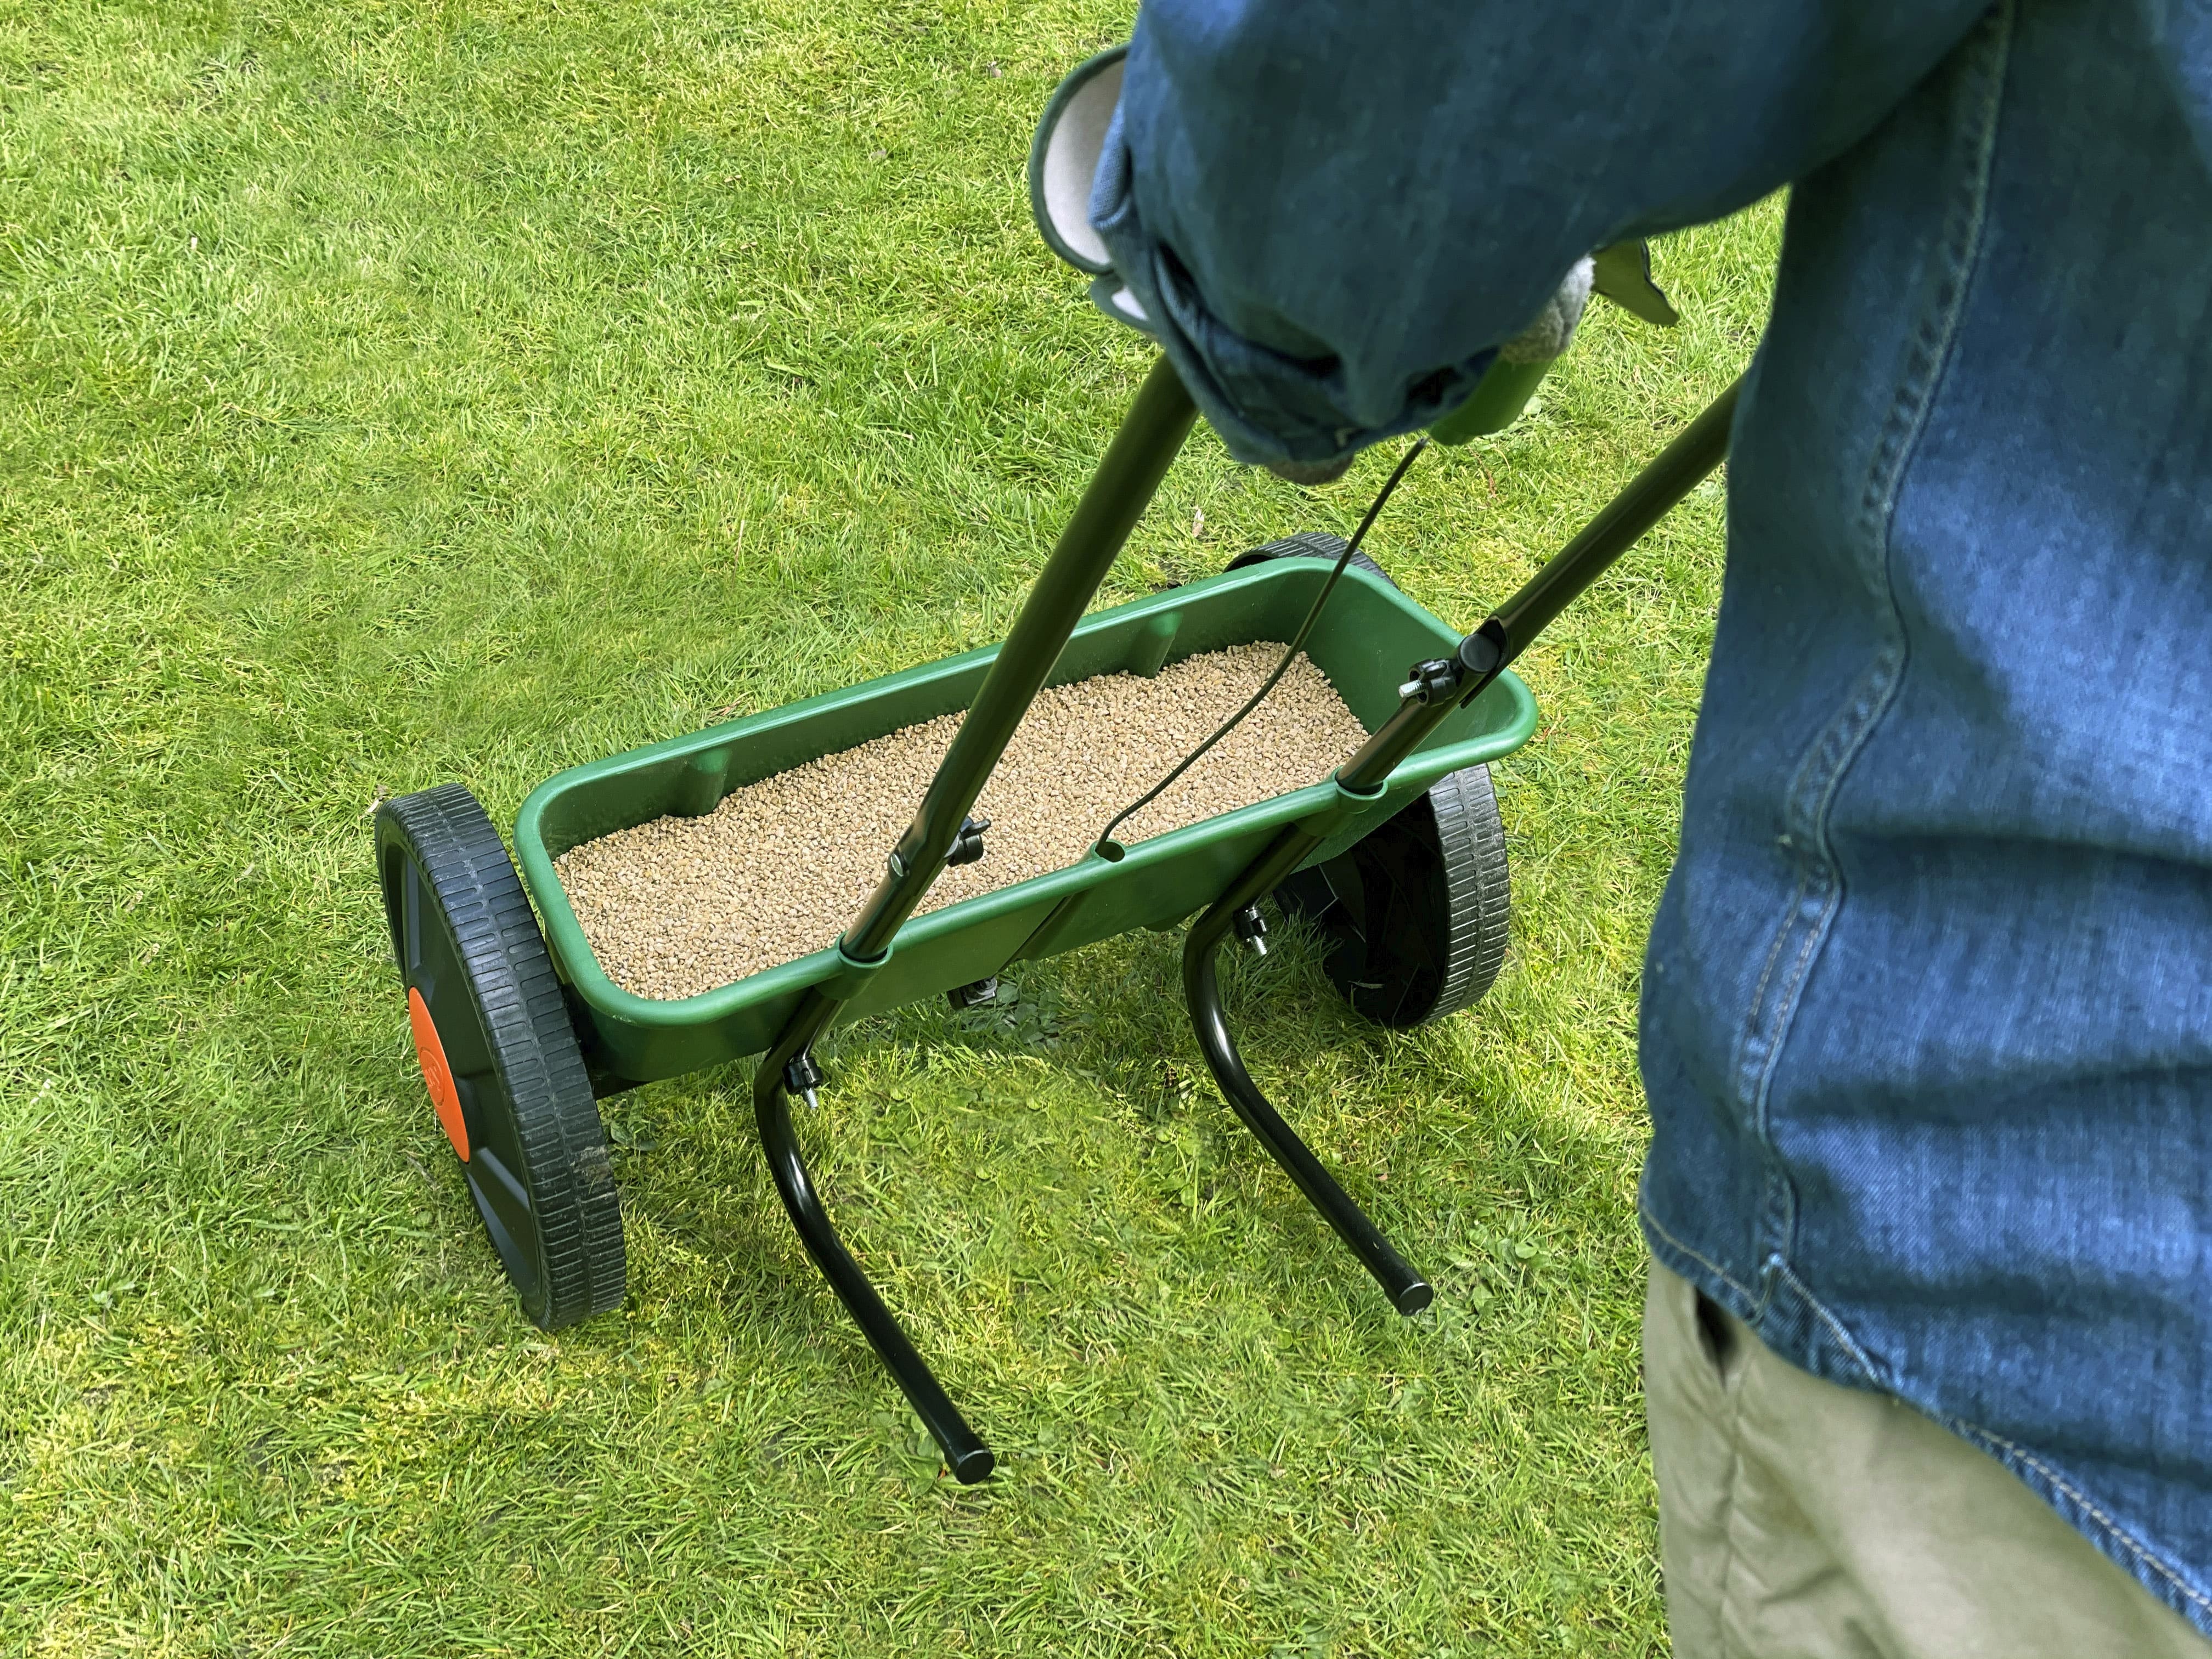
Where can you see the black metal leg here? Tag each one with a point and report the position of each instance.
(1150, 437)
(1408, 1291)
(1436, 690)
(965, 1454)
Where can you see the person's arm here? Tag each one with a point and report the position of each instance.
(1334, 210)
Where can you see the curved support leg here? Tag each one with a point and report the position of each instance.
(1148, 439)
(1408, 1291)
(1482, 656)
(966, 1456)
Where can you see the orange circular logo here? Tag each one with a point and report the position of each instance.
(436, 1073)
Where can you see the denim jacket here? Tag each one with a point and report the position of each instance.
(1927, 1012)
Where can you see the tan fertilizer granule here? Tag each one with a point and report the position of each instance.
(682, 905)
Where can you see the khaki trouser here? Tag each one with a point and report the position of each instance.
(1799, 1519)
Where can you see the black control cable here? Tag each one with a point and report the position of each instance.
(1290, 656)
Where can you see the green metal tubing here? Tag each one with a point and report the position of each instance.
(1485, 653)
(1680, 468)
(1151, 437)
(1510, 629)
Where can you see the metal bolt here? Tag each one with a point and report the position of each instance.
(977, 993)
(1431, 679)
(801, 1076)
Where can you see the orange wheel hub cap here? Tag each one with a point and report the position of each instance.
(436, 1073)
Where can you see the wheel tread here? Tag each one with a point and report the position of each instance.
(1478, 886)
(1309, 544)
(562, 1146)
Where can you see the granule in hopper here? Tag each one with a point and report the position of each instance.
(682, 905)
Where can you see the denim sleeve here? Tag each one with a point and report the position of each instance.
(1334, 210)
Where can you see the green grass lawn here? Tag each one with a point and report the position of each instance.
(412, 390)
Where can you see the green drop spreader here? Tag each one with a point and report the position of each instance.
(1397, 860)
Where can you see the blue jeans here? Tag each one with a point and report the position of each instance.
(1927, 1017)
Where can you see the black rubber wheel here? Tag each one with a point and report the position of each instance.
(1309, 544)
(499, 1055)
(1415, 915)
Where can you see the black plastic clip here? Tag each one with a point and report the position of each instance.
(801, 1076)
(967, 845)
(1436, 678)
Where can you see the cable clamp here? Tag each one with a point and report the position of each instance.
(1434, 679)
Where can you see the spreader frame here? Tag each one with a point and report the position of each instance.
(1461, 707)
